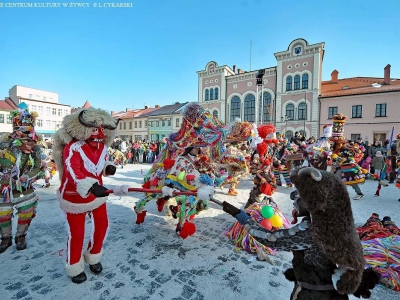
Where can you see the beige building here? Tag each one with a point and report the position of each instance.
(6, 106)
(133, 123)
(371, 105)
(45, 103)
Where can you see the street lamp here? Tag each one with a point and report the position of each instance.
(259, 82)
(305, 112)
(285, 119)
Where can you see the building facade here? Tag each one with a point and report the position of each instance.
(286, 95)
(133, 123)
(161, 121)
(6, 106)
(372, 105)
(51, 113)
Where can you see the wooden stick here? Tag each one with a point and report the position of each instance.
(152, 191)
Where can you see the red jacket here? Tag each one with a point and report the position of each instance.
(153, 147)
(83, 166)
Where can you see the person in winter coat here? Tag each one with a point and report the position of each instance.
(378, 163)
(153, 147)
(123, 147)
(377, 146)
(140, 153)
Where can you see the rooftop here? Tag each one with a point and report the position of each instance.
(7, 104)
(167, 109)
(357, 85)
(134, 113)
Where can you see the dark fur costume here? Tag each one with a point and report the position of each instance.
(325, 240)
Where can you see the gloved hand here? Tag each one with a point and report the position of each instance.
(111, 169)
(98, 190)
(167, 191)
(238, 214)
(230, 209)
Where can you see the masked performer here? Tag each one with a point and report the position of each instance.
(81, 156)
(328, 261)
(176, 168)
(20, 166)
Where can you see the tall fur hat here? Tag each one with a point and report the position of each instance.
(332, 229)
(72, 128)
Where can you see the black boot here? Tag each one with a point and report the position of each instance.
(20, 242)
(5, 243)
(96, 268)
(79, 278)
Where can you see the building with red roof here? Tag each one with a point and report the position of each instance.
(133, 123)
(371, 105)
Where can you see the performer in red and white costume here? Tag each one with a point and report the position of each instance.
(81, 157)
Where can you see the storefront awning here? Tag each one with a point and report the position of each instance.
(45, 131)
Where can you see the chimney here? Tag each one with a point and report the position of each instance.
(126, 110)
(386, 79)
(112, 112)
(234, 69)
(334, 76)
(240, 71)
(146, 107)
(157, 106)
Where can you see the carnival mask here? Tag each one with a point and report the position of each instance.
(97, 137)
(27, 145)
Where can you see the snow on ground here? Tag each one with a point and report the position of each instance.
(149, 261)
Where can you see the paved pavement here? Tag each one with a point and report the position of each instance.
(149, 261)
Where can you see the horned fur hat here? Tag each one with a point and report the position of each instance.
(332, 228)
(78, 126)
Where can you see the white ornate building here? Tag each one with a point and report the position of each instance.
(286, 95)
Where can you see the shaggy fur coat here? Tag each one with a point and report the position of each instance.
(325, 242)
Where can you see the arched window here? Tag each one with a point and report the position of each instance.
(216, 93)
(290, 111)
(297, 82)
(289, 83)
(206, 95)
(304, 81)
(215, 113)
(288, 134)
(267, 107)
(302, 111)
(211, 94)
(235, 108)
(249, 108)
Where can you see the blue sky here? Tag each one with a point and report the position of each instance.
(121, 58)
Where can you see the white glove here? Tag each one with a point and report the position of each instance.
(167, 191)
(205, 192)
(121, 190)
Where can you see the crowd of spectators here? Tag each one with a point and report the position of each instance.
(126, 151)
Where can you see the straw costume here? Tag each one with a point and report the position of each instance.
(20, 161)
(177, 169)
